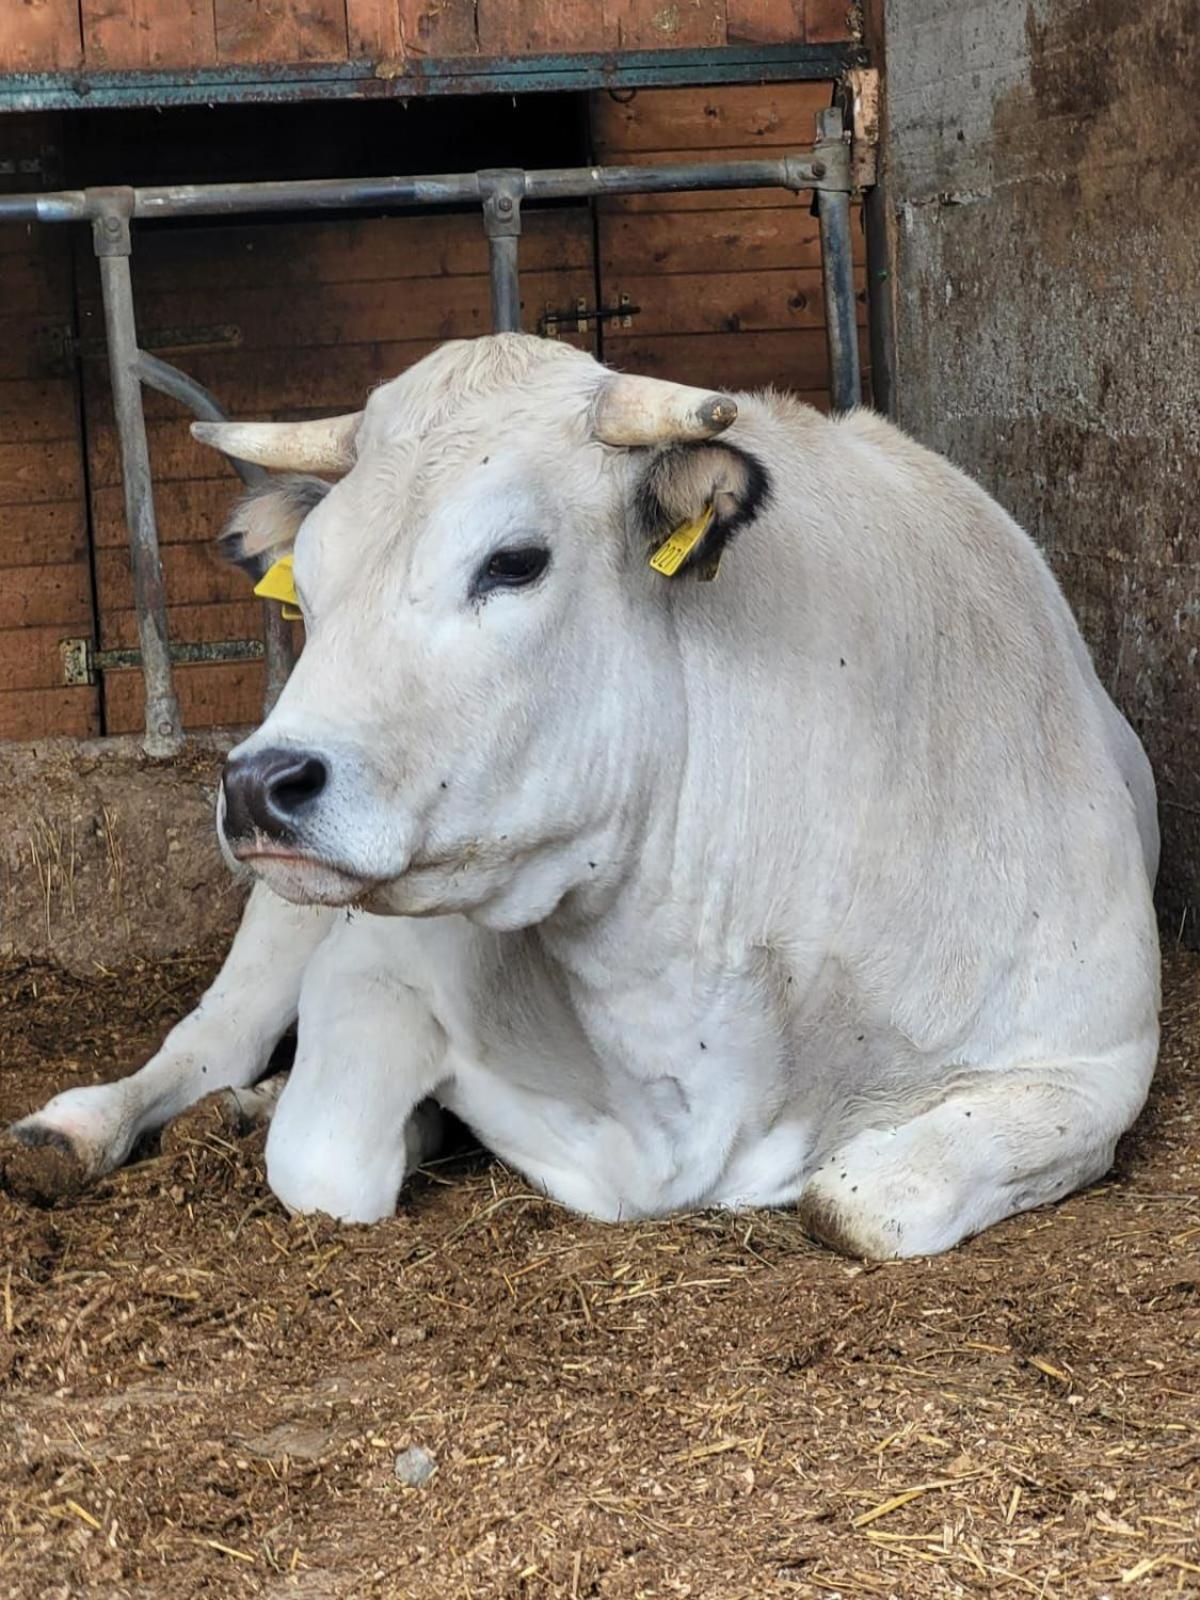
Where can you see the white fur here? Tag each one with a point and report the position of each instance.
(828, 881)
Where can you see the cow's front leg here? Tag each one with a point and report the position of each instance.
(354, 1119)
(226, 1042)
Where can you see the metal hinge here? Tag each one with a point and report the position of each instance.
(60, 347)
(82, 663)
(581, 316)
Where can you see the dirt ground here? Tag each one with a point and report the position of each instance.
(201, 1397)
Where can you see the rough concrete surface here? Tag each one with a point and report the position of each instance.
(107, 856)
(1045, 190)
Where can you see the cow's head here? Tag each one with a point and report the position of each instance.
(490, 685)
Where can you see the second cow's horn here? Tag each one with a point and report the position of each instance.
(325, 444)
(643, 411)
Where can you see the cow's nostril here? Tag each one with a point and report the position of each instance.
(295, 789)
(268, 792)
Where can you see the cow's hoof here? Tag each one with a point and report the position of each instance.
(40, 1165)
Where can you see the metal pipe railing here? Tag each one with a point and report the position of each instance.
(500, 192)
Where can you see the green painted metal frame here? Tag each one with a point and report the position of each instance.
(460, 75)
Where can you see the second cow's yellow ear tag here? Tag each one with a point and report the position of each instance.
(675, 549)
(277, 583)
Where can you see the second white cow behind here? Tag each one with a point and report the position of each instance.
(828, 881)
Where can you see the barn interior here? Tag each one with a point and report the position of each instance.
(201, 1395)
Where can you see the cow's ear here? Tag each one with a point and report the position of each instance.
(683, 481)
(264, 523)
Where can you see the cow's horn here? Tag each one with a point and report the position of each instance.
(323, 445)
(632, 411)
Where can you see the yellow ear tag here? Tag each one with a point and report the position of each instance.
(277, 584)
(675, 550)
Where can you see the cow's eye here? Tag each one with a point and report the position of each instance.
(512, 569)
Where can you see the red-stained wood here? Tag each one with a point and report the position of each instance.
(827, 21)
(280, 30)
(39, 713)
(30, 656)
(40, 35)
(46, 596)
(308, 254)
(226, 695)
(38, 409)
(224, 619)
(396, 31)
(759, 116)
(36, 471)
(651, 25)
(765, 21)
(539, 27)
(125, 35)
(194, 575)
(42, 535)
(702, 241)
(795, 361)
(737, 302)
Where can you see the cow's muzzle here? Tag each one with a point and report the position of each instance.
(271, 793)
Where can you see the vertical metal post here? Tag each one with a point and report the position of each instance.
(111, 242)
(502, 190)
(278, 649)
(837, 267)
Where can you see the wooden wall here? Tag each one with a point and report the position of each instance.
(45, 572)
(123, 35)
(291, 319)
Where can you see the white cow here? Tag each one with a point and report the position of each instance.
(827, 882)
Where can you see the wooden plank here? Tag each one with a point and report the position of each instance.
(23, 354)
(40, 470)
(649, 25)
(123, 34)
(765, 21)
(194, 575)
(191, 511)
(795, 361)
(342, 314)
(709, 242)
(542, 27)
(339, 314)
(36, 282)
(733, 302)
(280, 30)
(46, 596)
(226, 695)
(313, 253)
(38, 410)
(40, 36)
(766, 116)
(43, 535)
(199, 624)
(395, 30)
(827, 21)
(42, 713)
(30, 658)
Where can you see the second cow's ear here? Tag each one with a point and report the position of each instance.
(682, 482)
(264, 523)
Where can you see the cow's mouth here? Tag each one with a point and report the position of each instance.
(304, 879)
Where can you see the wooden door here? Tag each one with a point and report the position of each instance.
(45, 569)
(728, 283)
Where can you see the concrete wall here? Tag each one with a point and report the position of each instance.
(1042, 186)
